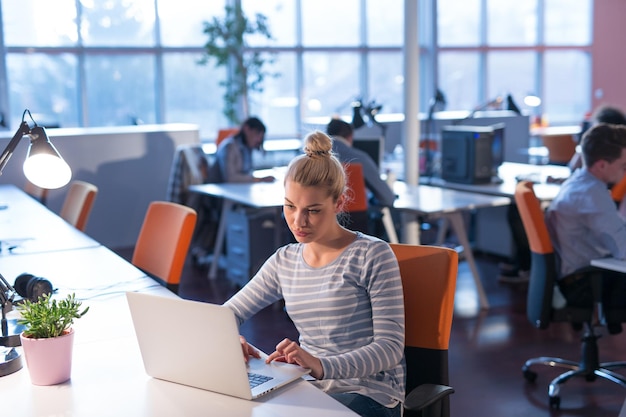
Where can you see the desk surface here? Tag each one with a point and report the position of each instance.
(26, 226)
(508, 173)
(108, 378)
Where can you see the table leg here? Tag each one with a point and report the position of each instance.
(456, 220)
(219, 239)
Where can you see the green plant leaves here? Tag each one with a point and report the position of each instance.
(48, 317)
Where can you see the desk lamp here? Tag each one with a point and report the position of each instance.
(44, 167)
(357, 118)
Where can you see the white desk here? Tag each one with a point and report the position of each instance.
(258, 195)
(26, 226)
(448, 204)
(108, 378)
(612, 264)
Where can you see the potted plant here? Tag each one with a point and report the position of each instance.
(227, 47)
(48, 339)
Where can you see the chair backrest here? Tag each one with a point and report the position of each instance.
(619, 190)
(561, 148)
(78, 203)
(356, 207)
(190, 166)
(38, 193)
(163, 241)
(429, 282)
(225, 133)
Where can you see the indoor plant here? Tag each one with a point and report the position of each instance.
(226, 46)
(47, 342)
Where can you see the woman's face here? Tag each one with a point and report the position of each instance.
(309, 212)
(254, 138)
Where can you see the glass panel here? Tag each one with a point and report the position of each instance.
(181, 21)
(192, 93)
(567, 86)
(39, 23)
(277, 105)
(322, 27)
(458, 79)
(568, 28)
(281, 18)
(330, 83)
(385, 22)
(458, 22)
(120, 89)
(118, 23)
(511, 73)
(386, 80)
(44, 84)
(511, 22)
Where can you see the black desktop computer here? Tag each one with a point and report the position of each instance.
(471, 154)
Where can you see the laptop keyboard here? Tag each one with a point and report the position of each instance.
(256, 379)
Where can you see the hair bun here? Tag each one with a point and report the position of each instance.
(318, 144)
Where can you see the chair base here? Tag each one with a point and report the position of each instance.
(589, 367)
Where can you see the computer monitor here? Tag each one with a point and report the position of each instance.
(471, 154)
(372, 146)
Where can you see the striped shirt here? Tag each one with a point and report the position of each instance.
(349, 314)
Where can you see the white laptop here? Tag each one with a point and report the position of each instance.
(197, 344)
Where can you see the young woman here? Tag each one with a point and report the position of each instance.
(342, 289)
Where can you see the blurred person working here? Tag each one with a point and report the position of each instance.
(342, 290)
(233, 159)
(584, 223)
(518, 271)
(343, 137)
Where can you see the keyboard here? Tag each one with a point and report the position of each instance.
(256, 379)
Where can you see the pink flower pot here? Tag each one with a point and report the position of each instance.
(49, 361)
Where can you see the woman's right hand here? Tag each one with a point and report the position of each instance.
(248, 350)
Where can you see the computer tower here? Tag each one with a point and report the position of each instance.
(466, 154)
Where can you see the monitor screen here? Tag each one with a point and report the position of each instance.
(371, 146)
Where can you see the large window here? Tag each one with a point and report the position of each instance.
(94, 63)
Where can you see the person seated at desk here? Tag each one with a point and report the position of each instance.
(233, 159)
(584, 224)
(343, 137)
(342, 290)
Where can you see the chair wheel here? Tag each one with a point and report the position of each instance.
(555, 403)
(529, 375)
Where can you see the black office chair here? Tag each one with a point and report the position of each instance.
(540, 310)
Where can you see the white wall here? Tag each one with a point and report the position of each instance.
(129, 164)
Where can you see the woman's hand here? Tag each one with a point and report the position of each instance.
(290, 352)
(248, 350)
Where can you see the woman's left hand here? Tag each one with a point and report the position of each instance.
(291, 352)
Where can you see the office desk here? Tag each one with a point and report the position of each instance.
(448, 204)
(509, 173)
(26, 226)
(257, 195)
(612, 264)
(108, 378)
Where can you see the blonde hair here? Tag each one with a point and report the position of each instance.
(318, 166)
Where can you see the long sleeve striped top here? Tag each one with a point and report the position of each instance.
(349, 314)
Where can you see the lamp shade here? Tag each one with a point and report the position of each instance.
(44, 166)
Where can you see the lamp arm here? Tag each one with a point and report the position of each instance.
(8, 151)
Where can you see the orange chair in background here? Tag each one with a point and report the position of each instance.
(356, 207)
(619, 190)
(78, 203)
(38, 193)
(225, 133)
(163, 242)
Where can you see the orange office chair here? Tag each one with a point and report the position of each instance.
(163, 242)
(540, 310)
(429, 282)
(356, 207)
(618, 191)
(78, 203)
(561, 148)
(225, 133)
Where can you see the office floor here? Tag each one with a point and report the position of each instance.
(487, 348)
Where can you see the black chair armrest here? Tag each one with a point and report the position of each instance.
(425, 395)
